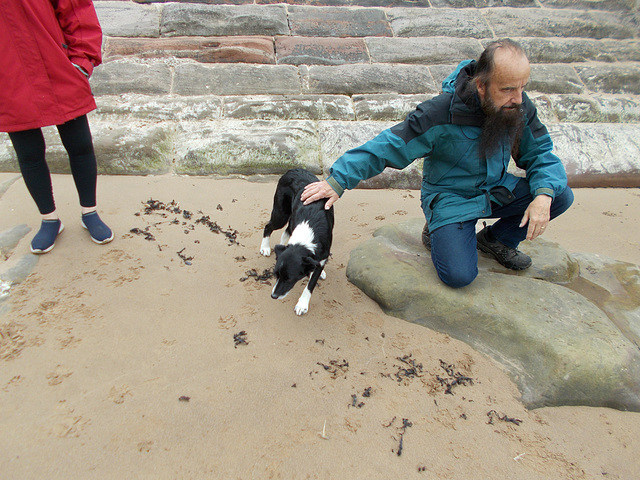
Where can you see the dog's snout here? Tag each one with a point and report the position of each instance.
(274, 296)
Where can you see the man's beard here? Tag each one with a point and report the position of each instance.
(499, 125)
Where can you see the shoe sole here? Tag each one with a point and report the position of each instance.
(488, 251)
(47, 250)
(99, 242)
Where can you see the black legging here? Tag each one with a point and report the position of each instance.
(76, 138)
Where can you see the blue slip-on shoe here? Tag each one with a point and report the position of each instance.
(99, 232)
(45, 239)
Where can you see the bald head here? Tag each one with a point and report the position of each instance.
(502, 72)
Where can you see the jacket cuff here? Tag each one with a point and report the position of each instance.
(333, 183)
(544, 191)
(83, 63)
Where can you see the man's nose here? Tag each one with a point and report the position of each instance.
(516, 98)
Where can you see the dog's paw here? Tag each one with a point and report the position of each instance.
(301, 309)
(265, 249)
(323, 275)
(302, 306)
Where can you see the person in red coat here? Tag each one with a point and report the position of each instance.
(48, 51)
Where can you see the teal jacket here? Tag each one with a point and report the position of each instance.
(458, 184)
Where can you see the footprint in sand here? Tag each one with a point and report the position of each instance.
(58, 375)
(118, 394)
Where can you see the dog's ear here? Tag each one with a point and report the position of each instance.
(279, 249)
(310, 263)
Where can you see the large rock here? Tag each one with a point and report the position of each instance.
(536, 22)
(247, 147)
(589, 151)
(320, 51)
(555, 343)
(223, 20)
(422, 50)
(255, 49)
(440, 22)
(338, 137)
(338, 22)
(374, 78)
(236, 79)
(126, 19)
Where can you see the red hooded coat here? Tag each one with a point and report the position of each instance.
(40, 41)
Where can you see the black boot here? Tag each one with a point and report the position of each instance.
(508, 257)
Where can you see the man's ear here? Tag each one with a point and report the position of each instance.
(279, 249)
(482, 88)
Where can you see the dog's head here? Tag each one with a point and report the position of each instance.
(293, 263)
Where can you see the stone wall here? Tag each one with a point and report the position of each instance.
(211, 87)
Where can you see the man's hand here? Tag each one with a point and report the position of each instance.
(317, 191)
(537, 215)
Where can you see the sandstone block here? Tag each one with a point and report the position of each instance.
(437, 22)
(361, 79)
(338, 22)
(440, 72)
(119, 77)
(320, 51)
(554, 79)
(428, 51)
(598, 154)
(482, 3)
(122, 146)
(574, 50)
(223, 20)
(158, 108)
(210, 2)
(338, 137)
(205, 50)
(8, 159)
(560, 50)
(290, 107)
(351, 3)
(128, 147)
(617, 78)
(621, 50)
(120, 19)
(595, 108)
(532, 22)
(386, 108)
(615, 5)
(236, 79)
(247, 147)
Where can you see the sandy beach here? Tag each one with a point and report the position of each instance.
(161, 355)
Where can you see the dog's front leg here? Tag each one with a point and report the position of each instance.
(302, 306)
(265, 247)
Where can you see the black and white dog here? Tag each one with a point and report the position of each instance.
(306, 242)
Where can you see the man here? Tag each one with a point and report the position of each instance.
(467, 136)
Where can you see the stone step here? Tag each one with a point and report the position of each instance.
(224, 86)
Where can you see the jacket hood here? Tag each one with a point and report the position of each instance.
(449, 83)
(465, 106)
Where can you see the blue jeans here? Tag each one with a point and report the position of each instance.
(453, 247)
